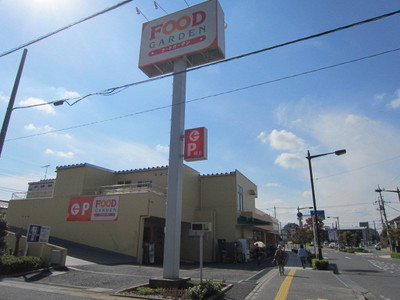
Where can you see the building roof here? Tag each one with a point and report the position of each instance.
(82, 165)
(43, 181)
(397, 219)
(141, 169)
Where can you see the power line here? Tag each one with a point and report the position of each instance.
(112, 91)
(64, 28)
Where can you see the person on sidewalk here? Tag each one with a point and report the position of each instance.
(280, 259)
(302, 254)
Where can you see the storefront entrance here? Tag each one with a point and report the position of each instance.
(153, 240)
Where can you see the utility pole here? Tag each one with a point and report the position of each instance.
(383, 211)
(11, 102)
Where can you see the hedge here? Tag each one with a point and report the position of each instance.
(395, 255)
(320, 264)
(10, 264)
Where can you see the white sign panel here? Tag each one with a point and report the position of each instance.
(196, 33)
(38, 234)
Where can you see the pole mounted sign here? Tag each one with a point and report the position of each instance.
(183, 39)
(320, 213)
(195, 33)
(195, 144)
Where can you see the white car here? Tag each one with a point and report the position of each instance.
(332, 245)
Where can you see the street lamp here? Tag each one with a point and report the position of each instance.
(300, 215)
(309, 158)
(337, 229)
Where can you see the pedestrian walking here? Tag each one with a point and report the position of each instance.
(280, 259)
(302, 254)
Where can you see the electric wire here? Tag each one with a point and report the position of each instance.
(393, 208)
(114, 90)
(64, 28)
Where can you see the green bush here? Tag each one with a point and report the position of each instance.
(311, 256)
(204, 290)
(10, 264)
(362, 250)
(395, 255)
(3, 233)
(320, 264)
(146, 291)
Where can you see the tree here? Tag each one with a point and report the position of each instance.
(300, 236)
(310, 224)
(3, 233)
(395, 237)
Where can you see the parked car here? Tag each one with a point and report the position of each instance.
(332, 245)
(378, 246)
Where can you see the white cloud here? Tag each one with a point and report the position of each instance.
(163, 149)
(272, 184)
(47, 108)
(63, 93)
(396, 102)
(285, 140)
(290, 160)
(33, 127)
(60, 153)
(3, 97)
(118, 154)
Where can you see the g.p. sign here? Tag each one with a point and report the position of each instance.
(195, 144)
(94, 208)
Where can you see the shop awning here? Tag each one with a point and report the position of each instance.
(251, 220)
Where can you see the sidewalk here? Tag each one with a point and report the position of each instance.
(299, 283)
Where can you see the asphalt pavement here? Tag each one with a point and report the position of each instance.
(249, 280)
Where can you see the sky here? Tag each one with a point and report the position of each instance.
(263, 112)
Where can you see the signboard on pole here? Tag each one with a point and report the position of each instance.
(93, 208)
(196, 33)
(195, 144)
(320, 213)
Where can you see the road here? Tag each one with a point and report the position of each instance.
(96, 281)
(372, 272)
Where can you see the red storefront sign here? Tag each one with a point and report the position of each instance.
(195, 144)
(94, 208)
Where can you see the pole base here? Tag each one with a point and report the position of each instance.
(168, 283)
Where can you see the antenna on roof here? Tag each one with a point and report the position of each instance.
(45, 173)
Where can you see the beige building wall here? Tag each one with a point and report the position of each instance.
(142, 202)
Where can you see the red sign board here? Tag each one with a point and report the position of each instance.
(196, 33)
(94, 208)
(195, 144)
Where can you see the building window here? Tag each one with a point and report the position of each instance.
(239, 198)
(144, 183)
(124, 182)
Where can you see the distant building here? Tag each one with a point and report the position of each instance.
(395, 223)
(41, 189)
(3, 208)
(124, 211)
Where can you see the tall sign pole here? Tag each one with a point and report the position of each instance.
(186, 38)
(11, 102)
(172, 241)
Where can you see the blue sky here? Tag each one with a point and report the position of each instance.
(264, 132)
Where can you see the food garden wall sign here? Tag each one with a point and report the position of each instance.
(196, 33)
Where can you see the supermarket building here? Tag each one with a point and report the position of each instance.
(124, 211)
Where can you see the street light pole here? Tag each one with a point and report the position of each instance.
(337, 230)
(11, 102)
(309, 158)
